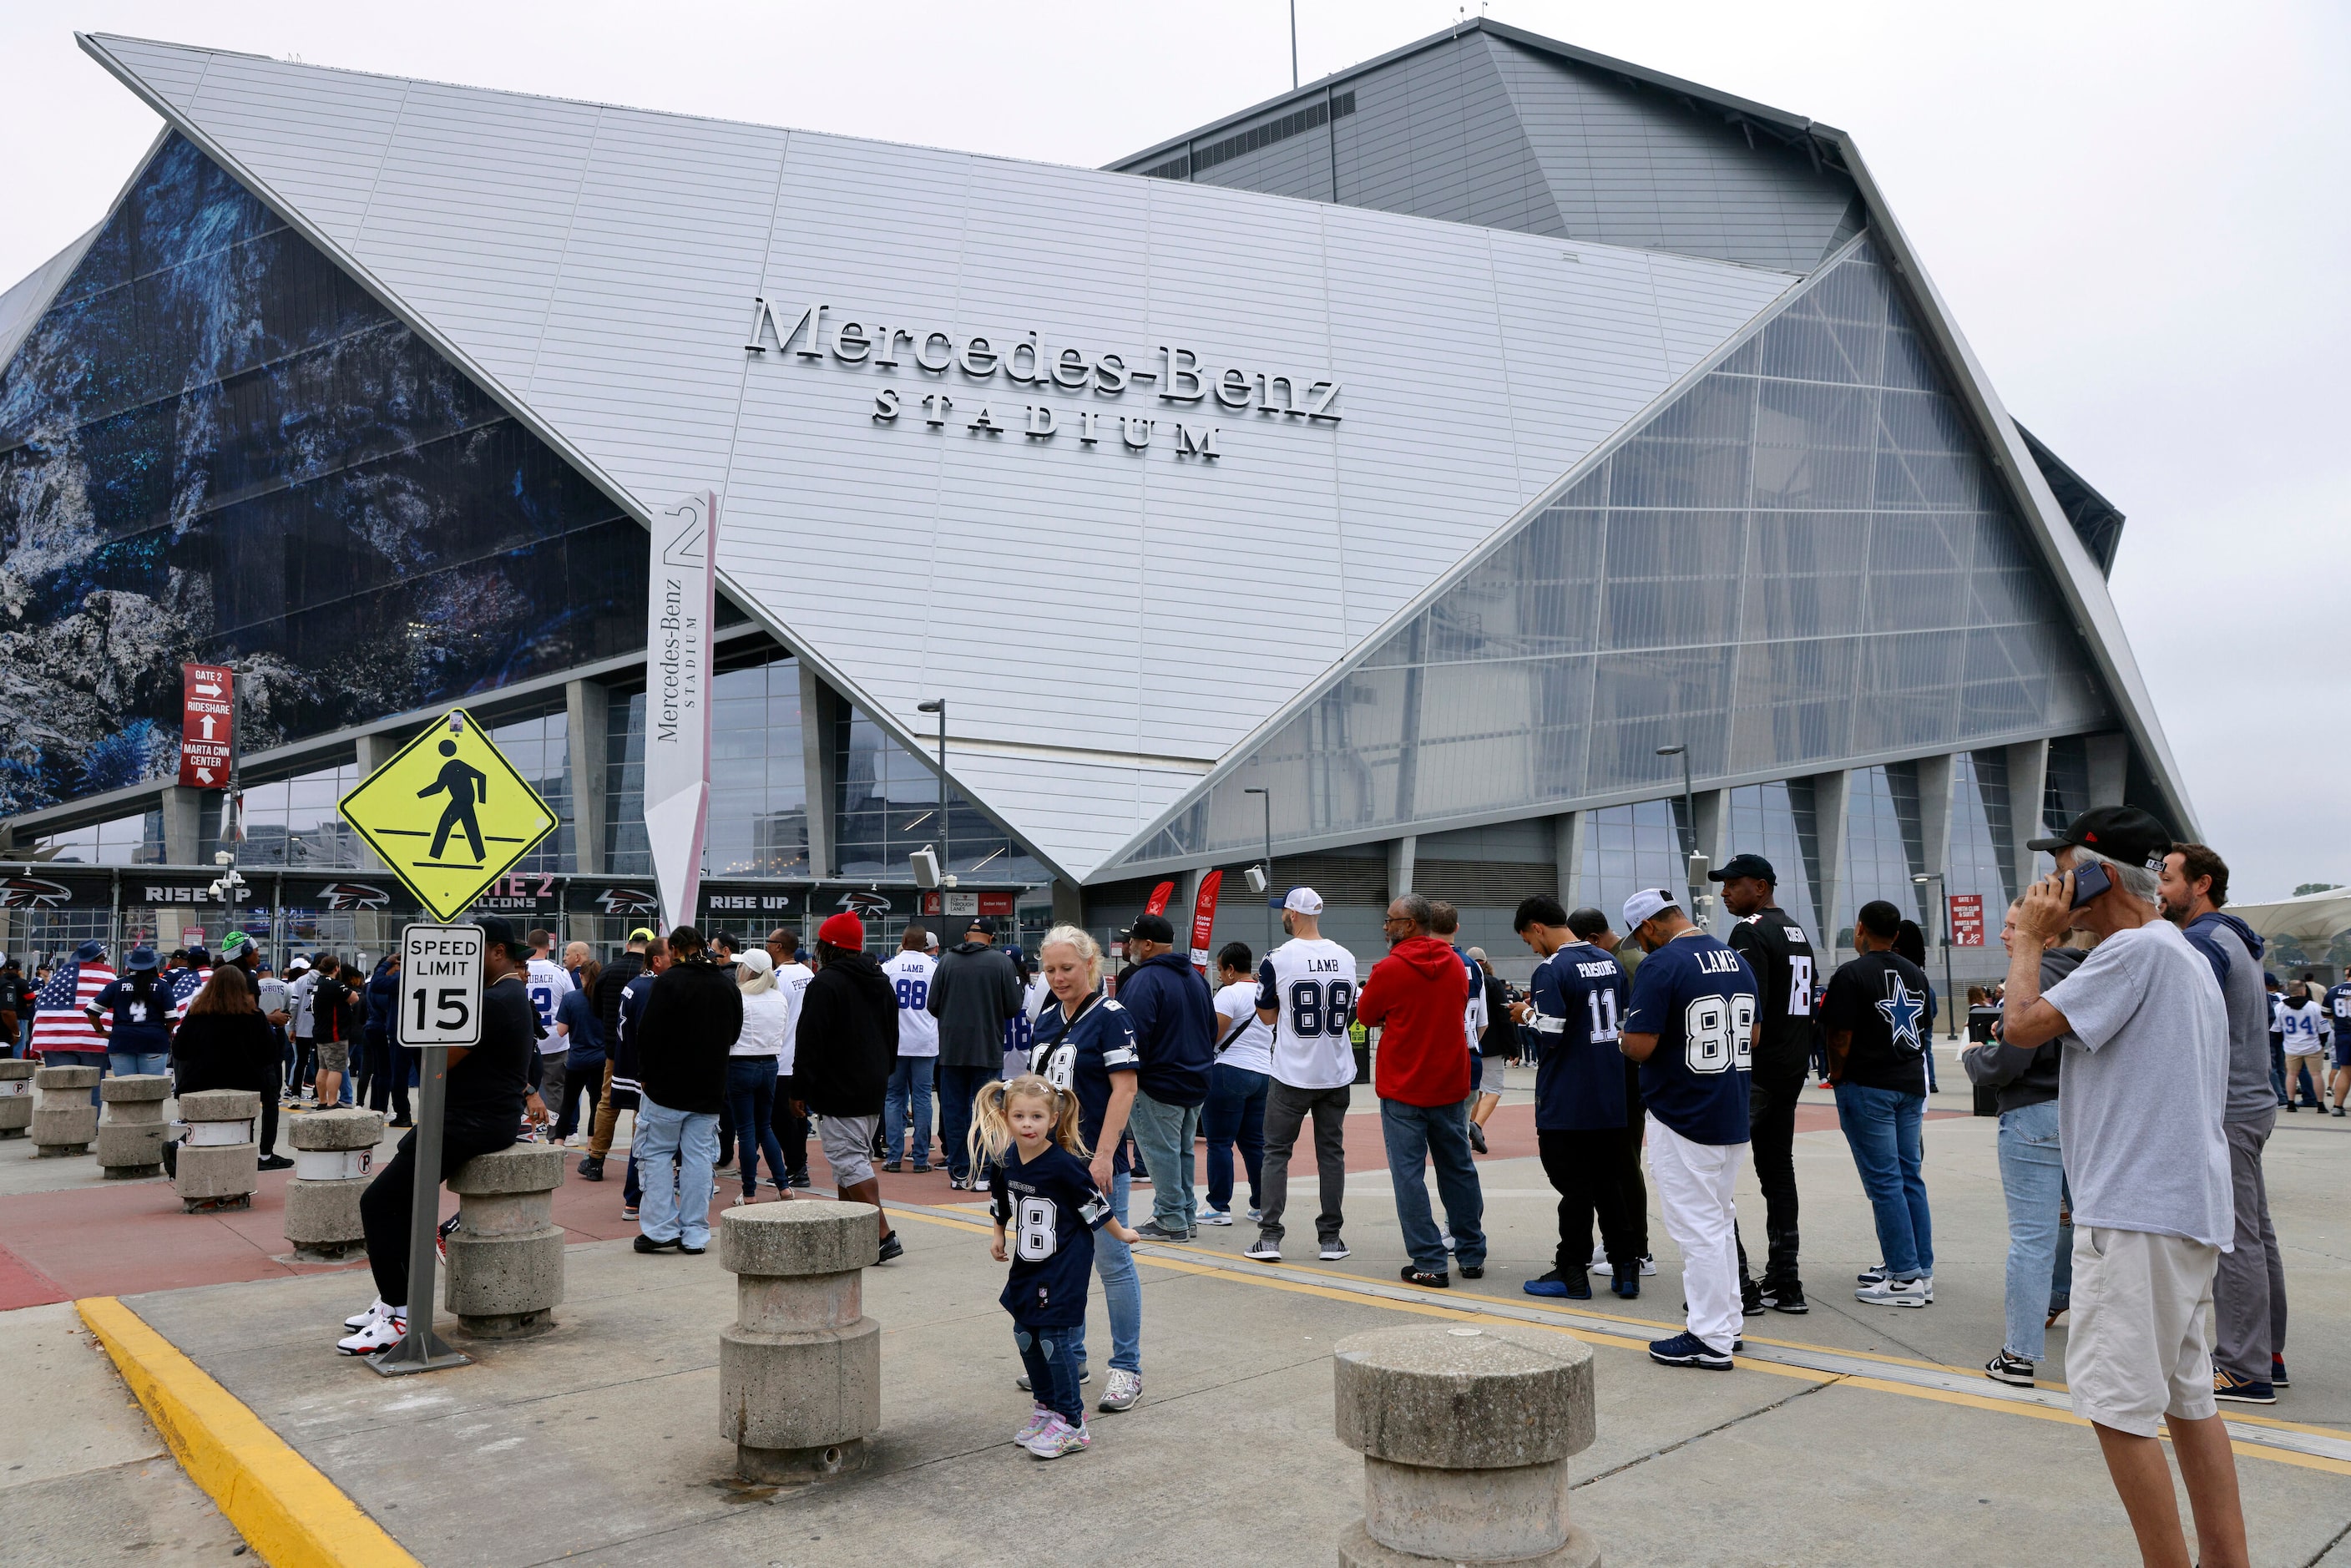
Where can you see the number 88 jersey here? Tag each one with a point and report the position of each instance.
(1310, 986)
(1699, 999)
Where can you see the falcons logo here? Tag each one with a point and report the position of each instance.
(353, 895)
(867, 905)
(627, 901)
(32, 893)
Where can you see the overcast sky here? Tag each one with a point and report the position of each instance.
(2138, 213)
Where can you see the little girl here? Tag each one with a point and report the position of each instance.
(1048, 1201)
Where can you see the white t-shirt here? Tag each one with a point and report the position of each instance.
(1039, 994)
(1251, 1049)
(792, 981)
(549, 983)
(1311, 986)
(764, 1017)
(909, 975)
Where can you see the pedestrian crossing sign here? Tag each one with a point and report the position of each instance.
(448, 815)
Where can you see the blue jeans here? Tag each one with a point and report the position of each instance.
(2040, 1250)
(1049, 1354)
(123, 1063)
(1416, 1134)
(1122, 1294)
(1234, 1114)
(958, 1087)
(675, 1205)
(1164, 1134)
(751, 1102)
(910, 1089)
(2277, 1068)
(1881, 1127)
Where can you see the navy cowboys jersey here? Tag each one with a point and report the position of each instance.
(1080, 1054)
(1577, 996)
(1697, 996)
(1050, 1209)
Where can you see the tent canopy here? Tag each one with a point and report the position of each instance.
(2313, 917)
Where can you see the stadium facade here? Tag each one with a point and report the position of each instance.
(1390, 470)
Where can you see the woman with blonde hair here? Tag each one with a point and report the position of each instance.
(751, 1071)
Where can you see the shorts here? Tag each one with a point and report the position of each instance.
(848, 1143)
(2342, 1051)
(334, 1055)
(1489, 1075)
(2141, 1344)
(2314, 1059)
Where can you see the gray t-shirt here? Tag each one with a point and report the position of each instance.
(2251, 1097)
(2142, 1085)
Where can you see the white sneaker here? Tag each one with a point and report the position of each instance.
(376, 1309)
(1334, 1251)
(1058, 1438)
(1255, 1214)
(1897, 1293)
(1039, 1418)
(380, 1335)
(1446, 1237)
(1600, 1263)
(1264, 1250)
(1216, 1217)
(1121, 1391)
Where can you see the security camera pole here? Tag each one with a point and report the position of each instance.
(1271, 901)
(947, 840)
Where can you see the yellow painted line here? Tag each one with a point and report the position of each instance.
(289, 1513)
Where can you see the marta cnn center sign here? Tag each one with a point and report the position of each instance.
(207, 725)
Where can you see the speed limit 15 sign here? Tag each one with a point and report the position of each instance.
(441, 984)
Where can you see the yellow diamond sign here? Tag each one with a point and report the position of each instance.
(448, 814)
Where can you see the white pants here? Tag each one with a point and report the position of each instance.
(1694, 1184)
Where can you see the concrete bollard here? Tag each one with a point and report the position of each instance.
(131, 1133)
(64, 1121)
(16, 1095)
(505, 1257)
(799, 1371)
(334, 1152)
(218, 1160)
(1465, 1433)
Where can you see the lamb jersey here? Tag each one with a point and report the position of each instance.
(1310, 984)
(909, 975)
(1697, 996)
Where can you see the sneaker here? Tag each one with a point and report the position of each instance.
(1599, 1261)
(892, 1249)
(1445, 1238)
(1477, 1137)
(2289, 1106)
(1473, 1270)
(274, 1162)
(958, 1184)
(592, 1170)
(1264, 1251)
(1085, 1376)
(2338, 1110)
(1788, 1298)
(647, 1245)
(1121, 1391)
(1216, 1217)
(1426, 1281)
(2007, 1368)
(1152, 1230)
(1627, 1285)
(1039, 1418)
(375, 1310)
(628, 1211)
(799, 1177)
(2278, 1378)
(1577, 1288)
(1872, 1275)
(376, 1337)
(1059, 1438)
(1255, 1214)
(1896, 1293)
(1687, 1349)
(894, 1166)
(918, 1170)
(1336, 1249)
(1751, 1298)
(2242, 1390)
(691, 1250)
(441, 1238)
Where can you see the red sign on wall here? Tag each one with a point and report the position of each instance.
(207, 713)
(1967, 920)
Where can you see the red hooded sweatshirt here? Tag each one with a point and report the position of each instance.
(1417, 994)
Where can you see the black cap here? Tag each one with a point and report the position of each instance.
(497, 931)
(2124, 834)
(1151, 928)
(984, 924)
(726, 939)
(1744, 866)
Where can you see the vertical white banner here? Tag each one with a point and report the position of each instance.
(681, 603)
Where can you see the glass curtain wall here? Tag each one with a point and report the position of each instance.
(1777, 822)
(540, 750)
(1627, 848)
(1804, 558)
(123, 841)
(889, 807)
(758, 776)
(1980, 828)
(1884, 846)
(290, 822)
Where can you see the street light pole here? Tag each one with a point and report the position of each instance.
(1267, 795)
(946, 843)
(1942, 895)
(1689, 813)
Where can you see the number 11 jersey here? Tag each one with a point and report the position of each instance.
(1697, 996)
(1310, 985)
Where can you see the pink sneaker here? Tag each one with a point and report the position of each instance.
(1059, 1438)
(1039, 1418)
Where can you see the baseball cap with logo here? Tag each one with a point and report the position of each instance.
(1645, 905)
(1303, 901)
(1753, 865)
(2124, 834)
(1153, 928)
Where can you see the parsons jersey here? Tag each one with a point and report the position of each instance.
(1310, 986)
(1578, 1006)
(1780, 956)
(1050, 1209)
(2305, 1029)
(1697, 996)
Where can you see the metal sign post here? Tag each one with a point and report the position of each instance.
(440, 1006)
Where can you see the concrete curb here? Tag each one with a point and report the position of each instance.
(290, 1514)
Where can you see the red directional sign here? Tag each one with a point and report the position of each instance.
(207, 713)
(1967, 920)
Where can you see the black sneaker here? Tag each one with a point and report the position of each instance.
(894, 1166)
(275, 1163)
(1473, 1270)
(1477, 1137)
(2278, 1378)
(1788, 1298)
(2007, 1368)
(1751, 1298)
(592, 1170)
(1151, 1230)
(799, 1177)
(892, 1248)
(1573, 1284)
(648, 1245)
(1688, 1349)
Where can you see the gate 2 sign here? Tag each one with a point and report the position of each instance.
(441, 975)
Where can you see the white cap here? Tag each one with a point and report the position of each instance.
(1303, 901)
(1645, 905)
(754, 959)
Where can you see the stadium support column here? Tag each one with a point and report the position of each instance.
(1829, 793)
(1400, 858)
(818, 706)
(182, 845)
(1069, 903)
(2028, 781)
(1934, 819)
(1711, 831)
(2109, 759)
(374, 752)
(1567, 850)
(587, 707)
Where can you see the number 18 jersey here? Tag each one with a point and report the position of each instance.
(1697, 996)
(1310, 985)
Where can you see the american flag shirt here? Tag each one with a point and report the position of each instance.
(60, 1022)
(186, 984)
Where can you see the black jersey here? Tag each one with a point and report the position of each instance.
(1780, 953)
(1049, 1209)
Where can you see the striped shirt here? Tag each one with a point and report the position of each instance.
(61, 1022)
